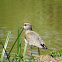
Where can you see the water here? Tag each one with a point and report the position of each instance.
(45, 16)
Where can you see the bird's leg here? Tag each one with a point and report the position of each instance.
(38, 51)
(31, 51)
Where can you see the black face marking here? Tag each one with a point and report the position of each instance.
(31, 28)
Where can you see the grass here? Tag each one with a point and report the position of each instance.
(24, 50)
(15, 41)
(18, 43)
(56, 54)
(4, 47)
(18, 46)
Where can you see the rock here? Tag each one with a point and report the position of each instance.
(59, 59)
(47, 58)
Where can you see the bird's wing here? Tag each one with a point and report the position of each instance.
(34, 39)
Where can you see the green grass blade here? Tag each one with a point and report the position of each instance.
(7, 39)
(24, 50)
(5, 51)
(18, 43)
(15, 42)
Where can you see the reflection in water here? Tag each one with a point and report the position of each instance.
(45, 16)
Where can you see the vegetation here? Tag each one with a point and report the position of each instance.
(56, 54)
(4, 47)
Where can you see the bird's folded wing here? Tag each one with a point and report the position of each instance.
(34, 39)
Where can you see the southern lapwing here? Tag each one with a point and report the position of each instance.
(33, 38)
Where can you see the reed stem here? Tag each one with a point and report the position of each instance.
(18, 43)
(7, 39)
(24, 50)
(15, 42)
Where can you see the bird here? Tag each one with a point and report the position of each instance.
(33, 38)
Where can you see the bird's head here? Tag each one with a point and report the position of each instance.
(27, 26)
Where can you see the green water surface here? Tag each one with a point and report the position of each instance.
(44, 15)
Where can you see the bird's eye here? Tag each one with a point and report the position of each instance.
(25, 25)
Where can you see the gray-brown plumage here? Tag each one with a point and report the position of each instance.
(33, 38)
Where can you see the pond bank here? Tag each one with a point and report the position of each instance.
(47, 58)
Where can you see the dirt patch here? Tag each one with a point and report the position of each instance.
(47, 58)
